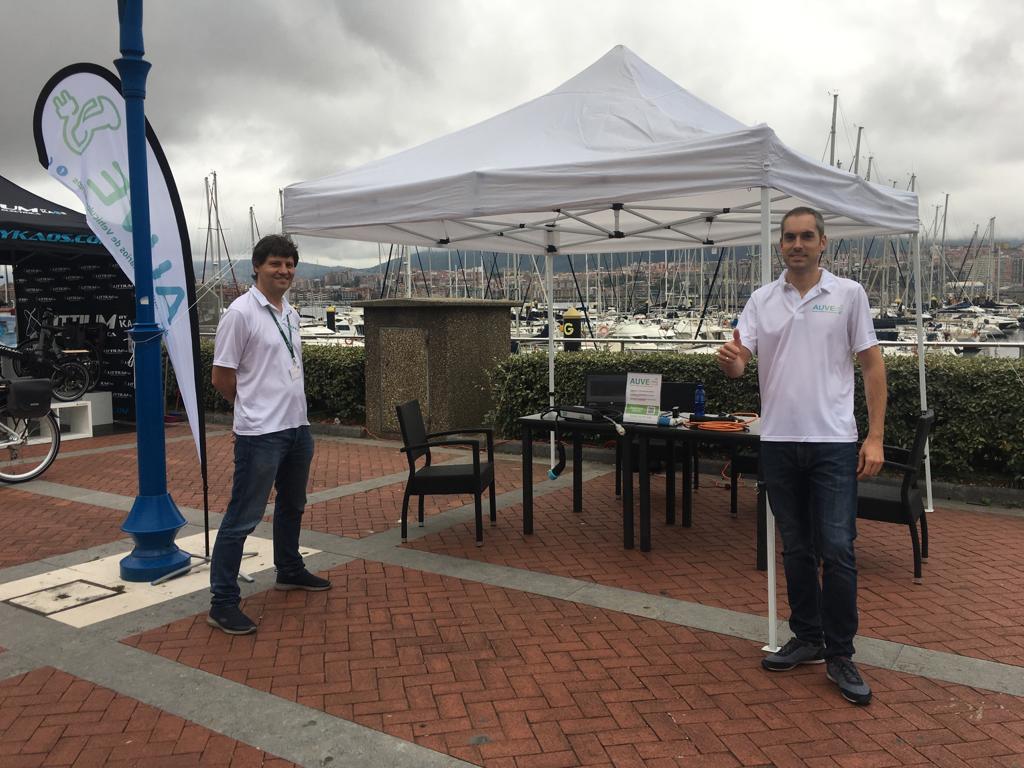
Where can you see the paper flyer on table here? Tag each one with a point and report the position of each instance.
(643, 398)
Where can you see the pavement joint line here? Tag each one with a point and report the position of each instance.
(978, 673)
(280, 727)
(66, 454)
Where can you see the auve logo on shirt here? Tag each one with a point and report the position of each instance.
(832, 309)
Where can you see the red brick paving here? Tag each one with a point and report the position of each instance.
(34, 527)
(334, 463)
(971, 602)
(380, 509)
(505, 678)
(51, 718)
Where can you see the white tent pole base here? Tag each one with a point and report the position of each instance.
(773, 622)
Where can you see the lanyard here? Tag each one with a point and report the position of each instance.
(287, 339)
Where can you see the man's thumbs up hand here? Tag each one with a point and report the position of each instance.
(730, 357)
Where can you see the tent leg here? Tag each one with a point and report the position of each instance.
(921, 380)
(766, 276)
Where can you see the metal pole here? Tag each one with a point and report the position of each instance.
(921, 382)
(942, 254)
(856, 152)
(832, 132)
(766, 276)
(408, 273)
(154, 519)
(549, 276)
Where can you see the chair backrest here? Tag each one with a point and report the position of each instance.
(606, 390)
(916, 450)
(410, 422)
(678, 394)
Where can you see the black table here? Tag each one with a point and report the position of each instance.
(577, 429)
(643, 433)
(688, 437)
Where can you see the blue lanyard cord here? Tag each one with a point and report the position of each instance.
(287, 339)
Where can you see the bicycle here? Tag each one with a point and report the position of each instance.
(29, 430)
(69, 380)
(49, 343)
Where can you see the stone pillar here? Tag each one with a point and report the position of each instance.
(437, 351)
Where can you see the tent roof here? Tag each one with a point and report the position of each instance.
(31, 222)
(617, 158)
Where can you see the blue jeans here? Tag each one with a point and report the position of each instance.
(280, 460)
(812, 488)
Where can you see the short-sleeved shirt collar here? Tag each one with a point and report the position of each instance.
(826, 283)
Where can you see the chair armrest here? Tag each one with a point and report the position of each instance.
(441, 444)
(486, 431)
(481, 430)
(895, 453)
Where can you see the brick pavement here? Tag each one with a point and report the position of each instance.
(971, 602)
(334, 463)
(51, 718)
(502, 677)
(35, 527)
(507, 679)
(380, 509)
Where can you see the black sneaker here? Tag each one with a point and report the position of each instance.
(793, 653)
(302, 580)
(230, 619)
(843, 672)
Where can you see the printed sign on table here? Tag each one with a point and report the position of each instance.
(643, 398)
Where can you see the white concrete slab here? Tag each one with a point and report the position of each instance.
(133, 596)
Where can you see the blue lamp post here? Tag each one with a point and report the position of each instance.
(154, 519)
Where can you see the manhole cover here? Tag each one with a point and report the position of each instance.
(62, 597)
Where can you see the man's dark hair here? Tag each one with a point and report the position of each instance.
(803, 210)
(273, 245)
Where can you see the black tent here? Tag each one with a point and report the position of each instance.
(60, 266)
(29, 223)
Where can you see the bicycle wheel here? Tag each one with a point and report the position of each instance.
(27, 446)
(22, 364)
(70, 381)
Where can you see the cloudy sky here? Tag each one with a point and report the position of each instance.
(267, 93)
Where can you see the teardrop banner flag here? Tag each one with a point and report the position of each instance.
(81, 138)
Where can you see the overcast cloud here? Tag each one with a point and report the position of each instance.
(267, 93)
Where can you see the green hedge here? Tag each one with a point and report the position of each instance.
(978, 402)
(335, 382)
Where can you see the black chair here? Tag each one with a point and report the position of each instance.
(440, 479)
(903, 503)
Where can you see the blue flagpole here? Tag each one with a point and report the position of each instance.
(154, 519)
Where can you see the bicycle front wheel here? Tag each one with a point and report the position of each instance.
(70, 381)
(27, 446)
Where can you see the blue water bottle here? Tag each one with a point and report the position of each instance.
(699, 401)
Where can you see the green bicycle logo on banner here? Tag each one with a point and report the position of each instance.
(82, 123)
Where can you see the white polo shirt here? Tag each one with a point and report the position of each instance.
(805, 348)
(269, 397)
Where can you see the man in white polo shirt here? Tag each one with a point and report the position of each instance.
(805, 328)
(257, 366)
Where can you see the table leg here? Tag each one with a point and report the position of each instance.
(688, 487)
(627, 492)
(618, 467)
(670, 482)
(645, 496)
(527, 480)
(577, 472)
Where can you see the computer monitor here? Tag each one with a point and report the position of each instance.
(606, 390)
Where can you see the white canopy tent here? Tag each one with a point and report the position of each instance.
(618, 158)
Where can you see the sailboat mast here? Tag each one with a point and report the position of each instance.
(832, 132)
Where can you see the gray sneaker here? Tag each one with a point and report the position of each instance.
(843, 672)
(793, 653)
